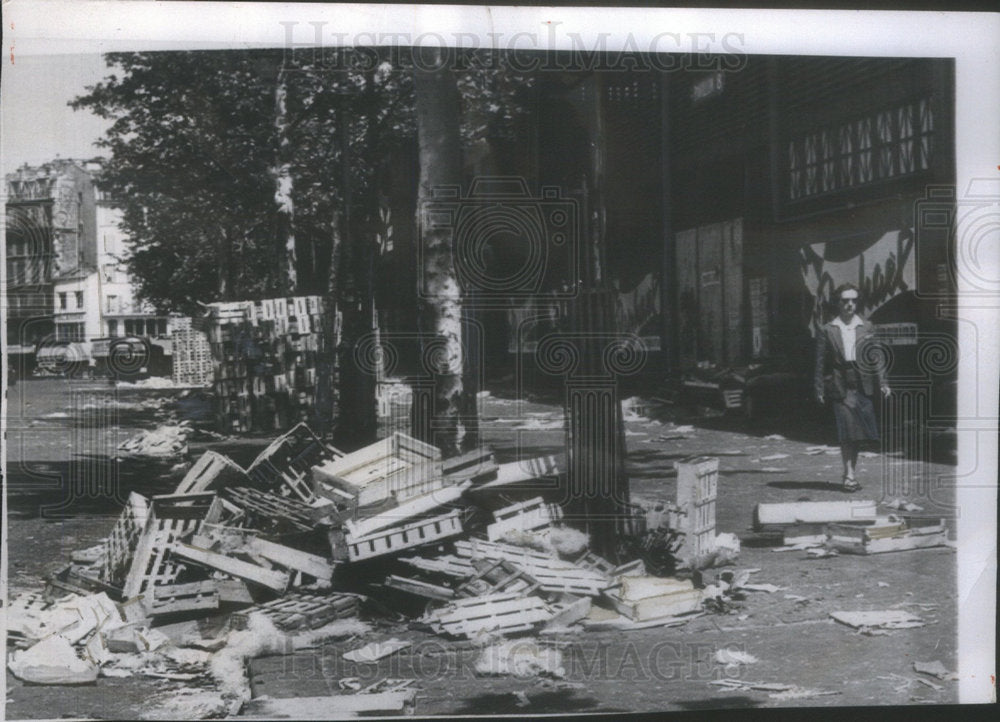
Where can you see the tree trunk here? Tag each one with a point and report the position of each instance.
(283, 183)
(437, 110)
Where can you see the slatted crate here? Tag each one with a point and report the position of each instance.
(170, 517)
(270, 512)
(301, 611)
(119, 549)
(504, 613)
(697, 488)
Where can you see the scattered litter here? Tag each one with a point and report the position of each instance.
(52, 661)
(739, 685)
(774, 457)
(928, 683)
(796, 598)
(902, 505)
(522, 699)
(882, 619)
(801, 693)
(733, 658)
(775, 437)
(521, 658)
(687, 429)
(884, 584)
(935, 669)
(164, 442)
(769, 588)
(376, 650)
(821, 553)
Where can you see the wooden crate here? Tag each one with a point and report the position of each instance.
(120, 547)
(504, 613)
(697, 488)
(418, 533)
(169, 518)
(301, 611)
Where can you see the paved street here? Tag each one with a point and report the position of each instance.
(789, 630)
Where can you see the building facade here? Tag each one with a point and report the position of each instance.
(67, 285)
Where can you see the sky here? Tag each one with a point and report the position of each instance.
(38, 125)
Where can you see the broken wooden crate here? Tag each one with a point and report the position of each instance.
(300, 611)
(398, 467)
(522, 516)
(212, 471)
(504, 613)
(647, 598)
(812, 512)
(697, 488)
(170, 517)
(887, 535)
(392, 540)
(551, 573)
(285, 466)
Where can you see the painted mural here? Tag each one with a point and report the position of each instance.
(882, 269)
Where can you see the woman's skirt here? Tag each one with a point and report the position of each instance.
(855, 417)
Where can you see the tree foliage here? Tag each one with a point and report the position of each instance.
(195, 143)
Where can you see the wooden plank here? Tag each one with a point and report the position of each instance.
(526, 470)
(407, 510)
(418, 587)
(211, 471)
(505, 613)
(447, 564)
(323, 708)
(233, 591)
(813, 512)
(498, 550)
(389, 541)
(311, 564)
(277, 581)
(171, 598)
(523, 516)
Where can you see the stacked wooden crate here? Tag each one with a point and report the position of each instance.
(265, 355)
(192, 355)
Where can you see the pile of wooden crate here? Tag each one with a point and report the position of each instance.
(265, 358)
(192, 355)
(306, 533)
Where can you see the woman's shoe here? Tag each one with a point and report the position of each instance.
(851, 484)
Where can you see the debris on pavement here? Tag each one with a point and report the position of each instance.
(887, 534)
(167, 441)
(733, 658)
(310, 544)
(881, 619)
(52, 661)
(935, 669)
(376, 650)
(811, 512)
(521, 658)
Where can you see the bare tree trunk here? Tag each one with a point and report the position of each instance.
(283, 183)
(437, 107)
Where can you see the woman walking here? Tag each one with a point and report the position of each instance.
(847, 378)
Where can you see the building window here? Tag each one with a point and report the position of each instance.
(69, 332)
(62, 301)
(888, 144)
(112, 304)
(130, 328)
(161, 327)
(113, 327)
(79, 299)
